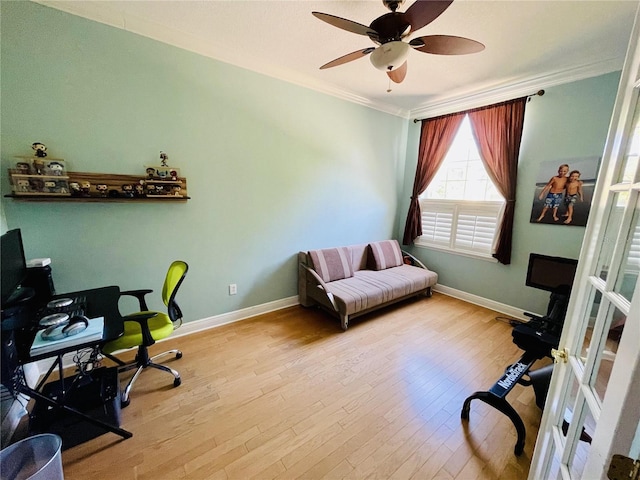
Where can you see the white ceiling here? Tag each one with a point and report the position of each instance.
(529, 44)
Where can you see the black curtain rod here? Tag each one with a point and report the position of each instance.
(538, 93)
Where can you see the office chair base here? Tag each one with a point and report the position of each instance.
(125, 400)
(140, 365)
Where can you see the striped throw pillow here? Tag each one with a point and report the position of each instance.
(385, 254)
(332, 263)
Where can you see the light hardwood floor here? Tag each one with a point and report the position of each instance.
(288, 395)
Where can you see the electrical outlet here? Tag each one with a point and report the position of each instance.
(233, 289)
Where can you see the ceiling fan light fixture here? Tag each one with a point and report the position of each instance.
(390, 55)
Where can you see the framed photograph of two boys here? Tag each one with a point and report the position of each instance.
(564, 191)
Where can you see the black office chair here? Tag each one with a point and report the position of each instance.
(142, 329)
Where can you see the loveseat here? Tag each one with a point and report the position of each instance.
(354, 280)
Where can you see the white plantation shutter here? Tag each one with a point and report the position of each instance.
(475, 232)
(437, 224)
(459, 225)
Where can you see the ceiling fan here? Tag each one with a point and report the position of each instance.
(389, 31)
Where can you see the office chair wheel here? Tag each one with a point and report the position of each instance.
(178, 355)
(177, 382)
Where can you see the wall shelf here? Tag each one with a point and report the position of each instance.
(164, 190)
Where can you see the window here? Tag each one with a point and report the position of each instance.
(461, 209)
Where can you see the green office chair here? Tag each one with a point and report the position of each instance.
(144, 328)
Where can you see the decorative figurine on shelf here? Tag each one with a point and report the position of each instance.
(174, 175)
(49, 186)
(151, 189)
(61, 187)
(102, 189)
(56, 168)
(40, 149)
(23, 168)
(23, 185)
(86, 189)
(151, 172)
(163, 174)
(36, 185)
(127, 190)
(176, 190)
(139, 190)
(164, 158)
(75, 189)
(38, 166)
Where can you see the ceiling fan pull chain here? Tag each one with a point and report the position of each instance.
(389, 89)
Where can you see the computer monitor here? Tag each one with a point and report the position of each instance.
(14, 266)
(553, 274)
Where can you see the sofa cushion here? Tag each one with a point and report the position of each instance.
(368, 289)
(332, 263)
(385, 254)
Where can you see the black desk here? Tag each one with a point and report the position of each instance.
(100, 302)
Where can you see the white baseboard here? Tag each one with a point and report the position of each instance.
(514, 312)
(235, 316)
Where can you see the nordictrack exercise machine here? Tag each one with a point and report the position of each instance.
(536, 338)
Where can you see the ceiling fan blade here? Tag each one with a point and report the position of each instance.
(398, 74)
(423, 12)
(348, 58)
(348, 25)
(391, 26)
(446, 45)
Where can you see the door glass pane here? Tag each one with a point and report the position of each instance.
(567, 408)
(554, 469)
(630, 162)
(594, 300)
(579, 460)
(628, 275)
(629, 169)
(607, 349)
(611, 232)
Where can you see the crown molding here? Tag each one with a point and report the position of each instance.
(516, 88)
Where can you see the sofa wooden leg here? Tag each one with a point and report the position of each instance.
(428, 293)
(344, 320)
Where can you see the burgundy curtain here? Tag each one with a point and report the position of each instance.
(436, 136)
(498, 131)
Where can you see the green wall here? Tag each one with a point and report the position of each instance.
(570, 121)
(272, 168)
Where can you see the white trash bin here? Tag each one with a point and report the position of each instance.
(34, 458)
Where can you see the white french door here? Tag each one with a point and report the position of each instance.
(596, 381)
